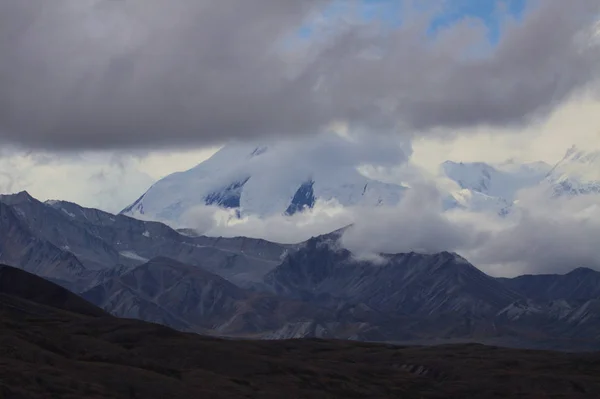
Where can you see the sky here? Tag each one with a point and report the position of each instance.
(138, 82)
(100, 98)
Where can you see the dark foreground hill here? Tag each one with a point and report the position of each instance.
(54, 345)
(20, 284)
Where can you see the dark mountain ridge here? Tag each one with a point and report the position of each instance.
(403, 284)
(21, 284)
(580, 284)
(254, 288)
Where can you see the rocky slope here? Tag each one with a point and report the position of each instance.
(427, 298)
(581, 284)
(191, 299)
(21, 246)
(409, 284)
(499, 181)
(80, 247)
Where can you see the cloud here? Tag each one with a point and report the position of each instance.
(415, 225)
(575, 123)
(100, 74)
(106, 181)
(111, 180)
(544, 236)
(547, 236)
(147, 73)
(324, 217)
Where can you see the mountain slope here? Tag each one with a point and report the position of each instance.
(581, 284)
(499, 181)
(21, 246)
(168, 292)
(475, 201)
(259, 180)
(80, 247)
(428, 298)
(62, 230)
(21, 284)
(191, 299)
(258, 289)
(486, 187)
(578, 173)
(490, 188)
(410, 284)
(255, 180)
(239, 259)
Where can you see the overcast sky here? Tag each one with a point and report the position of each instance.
(464, 79)
(92, 74)
(99, 98)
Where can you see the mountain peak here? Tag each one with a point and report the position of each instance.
(571, 151)
(409, 283)
(578, 173)
(492, 186)
(582, 271)
(17, 198)
(576, 154)
(262, 180)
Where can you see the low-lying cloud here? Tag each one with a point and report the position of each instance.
(544, 235)
(148, 73)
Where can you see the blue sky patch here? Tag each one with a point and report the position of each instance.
(447, 13)
(491, 12)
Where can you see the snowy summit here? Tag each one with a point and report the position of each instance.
(262, 181)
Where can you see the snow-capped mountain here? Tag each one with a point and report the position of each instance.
(283, 179)
(261, 181)
(500, 181)
(578, 173)
(475, 201)
(491, 188)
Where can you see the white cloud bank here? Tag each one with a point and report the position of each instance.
(544, 236)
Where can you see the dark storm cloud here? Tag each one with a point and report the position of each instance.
(100, 73)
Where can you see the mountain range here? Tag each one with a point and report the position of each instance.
(251, 288)
(57, 345)
(256, 180)
(494, 188)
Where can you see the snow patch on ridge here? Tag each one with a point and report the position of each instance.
(133, 255)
